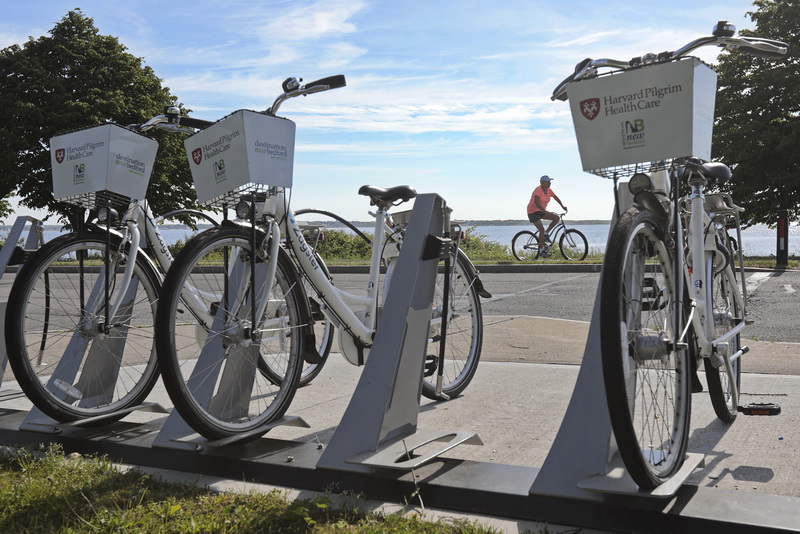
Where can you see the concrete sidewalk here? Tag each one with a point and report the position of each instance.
(544, 340)
(526, 379)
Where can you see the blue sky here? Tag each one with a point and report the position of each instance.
(448, 96)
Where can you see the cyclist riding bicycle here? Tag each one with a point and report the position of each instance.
(537, 210)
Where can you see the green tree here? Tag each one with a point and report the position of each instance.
(75, 78)
(757, 130)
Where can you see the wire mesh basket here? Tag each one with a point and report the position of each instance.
(106, 163)
(244, 153)
(642, 119)
(626, 171)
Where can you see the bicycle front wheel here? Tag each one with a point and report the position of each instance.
(525, 245)
(214, 360)
(573, 245)
(464, 338)
(646, 375)
(69, 358)
(720, 292)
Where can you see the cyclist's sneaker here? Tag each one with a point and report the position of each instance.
(544, 254)
(547, 238)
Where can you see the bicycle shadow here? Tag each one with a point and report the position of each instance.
(706, 440)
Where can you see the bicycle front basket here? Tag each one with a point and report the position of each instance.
(654, 113)
(242, 153)
(106, 162)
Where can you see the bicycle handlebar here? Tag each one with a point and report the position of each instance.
(722, 36)
(173, 121)
(292, 88)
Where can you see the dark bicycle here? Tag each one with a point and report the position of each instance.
(572, 243)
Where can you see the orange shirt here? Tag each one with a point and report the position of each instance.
(544, 199)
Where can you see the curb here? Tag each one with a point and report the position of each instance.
(523, 268)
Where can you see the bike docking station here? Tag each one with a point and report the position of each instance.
(10, 256)
(378, 452)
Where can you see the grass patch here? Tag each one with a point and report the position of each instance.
(49, 492)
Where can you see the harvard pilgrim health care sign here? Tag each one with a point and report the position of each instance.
(652, 113)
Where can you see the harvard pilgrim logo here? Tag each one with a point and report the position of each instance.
(197, 155)
(590, 108)
(60, 155)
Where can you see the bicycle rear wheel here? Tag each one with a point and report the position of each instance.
(525, 245)
(573, 245)
(720, 292)
(70, 362)
(464, 332)
(646, 376)
(213, 367)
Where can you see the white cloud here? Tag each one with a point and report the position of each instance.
(339, 55)
(311, 22)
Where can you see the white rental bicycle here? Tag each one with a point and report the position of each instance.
(80, 340)
(222, 361)
(670, 294)
(464, 341)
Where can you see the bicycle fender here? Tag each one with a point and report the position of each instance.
(648, 200)
(99, 231)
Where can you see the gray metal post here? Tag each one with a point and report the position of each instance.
(379, 427)
(782, 246)
(33, 241)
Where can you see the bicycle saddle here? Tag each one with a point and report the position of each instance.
(715, 172)
(378, 195)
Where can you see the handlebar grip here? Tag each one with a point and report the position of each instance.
(191, 122)
(559, 93)
(333, 82)
(764, 48)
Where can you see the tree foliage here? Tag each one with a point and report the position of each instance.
(75, 78)
(757, 131)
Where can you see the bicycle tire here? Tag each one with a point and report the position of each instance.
(464, 333)
(647, 381)
(61, 357)
(525, 245)
(190, 351)
(725, 315)
(573, 245)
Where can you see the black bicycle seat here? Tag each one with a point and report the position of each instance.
(379, 195)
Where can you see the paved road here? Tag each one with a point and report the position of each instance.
(774, 299)
(540, 317)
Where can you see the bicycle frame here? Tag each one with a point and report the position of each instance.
(139, 219)
(338, 304)
(356, 314)
(558, 229)
(701, 239)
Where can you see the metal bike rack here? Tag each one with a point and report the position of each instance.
(379, 427)
(209, 376)
(7, 253)
(99, 374)
(584, 461)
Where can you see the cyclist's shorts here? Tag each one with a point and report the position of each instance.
(535, 216)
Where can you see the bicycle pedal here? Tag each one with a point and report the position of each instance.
(759, 408)
(431, 363)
